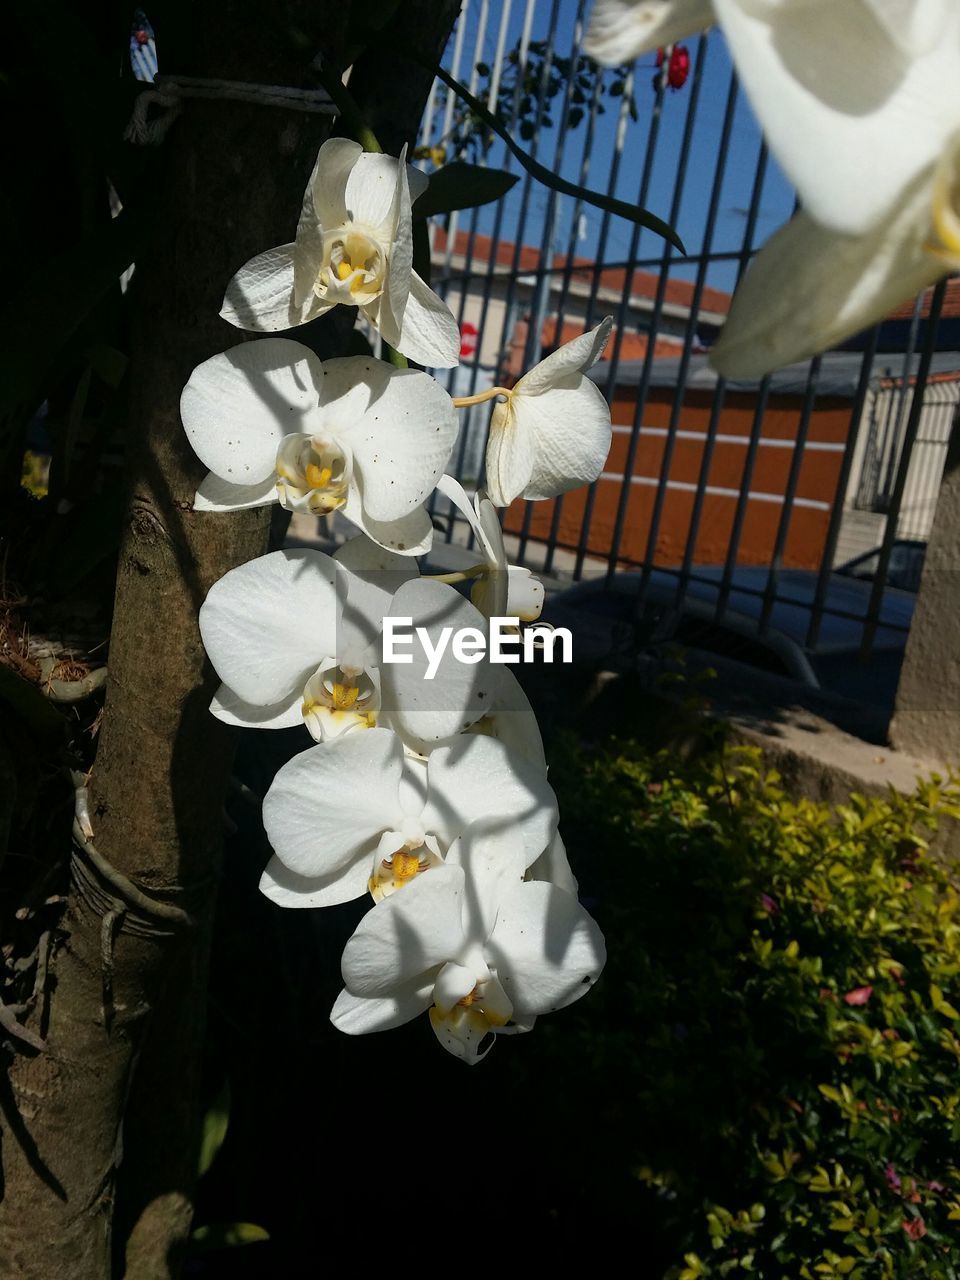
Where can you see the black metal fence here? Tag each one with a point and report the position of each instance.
(748, 495)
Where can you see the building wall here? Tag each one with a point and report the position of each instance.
(816, 483)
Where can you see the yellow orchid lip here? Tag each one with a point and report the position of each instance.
(944, 240)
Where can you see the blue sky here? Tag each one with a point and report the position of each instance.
(777, 198)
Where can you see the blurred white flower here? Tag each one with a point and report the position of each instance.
(552, 432)
(358, 813)
(809, 288)
(472, 941)
(354, 246)
(857, 99)
(352, 435)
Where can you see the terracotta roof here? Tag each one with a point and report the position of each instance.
(643, 283)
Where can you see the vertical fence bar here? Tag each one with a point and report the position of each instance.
(676, 409)
(910, 435)
(644, 384)
(790, 493)
(836, 515)
(720, 388)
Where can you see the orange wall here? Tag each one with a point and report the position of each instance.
(818, 476)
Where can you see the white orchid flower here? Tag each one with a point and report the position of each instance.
(431, 699)
(354, 247)
(551, 432)
(352, 435)
(809, 288)
(502, 590)
(359, 814)
(295, 637)
(483, 950)
(857, 99)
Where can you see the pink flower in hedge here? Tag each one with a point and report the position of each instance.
(892, 1177)
(769, 904)
(858, 996)
(915, 1228)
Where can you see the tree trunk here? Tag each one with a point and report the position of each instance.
(129, 980)
(234, 178)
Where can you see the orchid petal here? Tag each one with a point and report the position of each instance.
(479, 519)
(410, 535)
(477, 778)
(336, 160)
(373, 576)
(215, 494)
(238, 406)
(343, 883)
(406, 935)
(267, 624)
(398, 230)
(553, 866)
(323, 210)
(563, 367)
(830, 67)
(620, 30)
(513, 722)
(454, 982)
(511, 452)
(429, 333)
(493, 860)
(400, 425)
(548, 951)
(316, 817)
(809, 288)
(359, 1015)
(231, 709)
(458, 693)
(572, 431)
(914, 26)
(370, 195)
(260, 297)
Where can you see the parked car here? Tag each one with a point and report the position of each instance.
(609, 619)
(903, 568)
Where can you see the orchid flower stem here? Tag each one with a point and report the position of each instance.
(463, 575)
(461, 402)
(350, 113)
(394, 357)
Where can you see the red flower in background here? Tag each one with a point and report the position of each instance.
(858, 996)
(678, 67)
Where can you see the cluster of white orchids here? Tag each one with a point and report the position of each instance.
(426, 790)
(860, 103)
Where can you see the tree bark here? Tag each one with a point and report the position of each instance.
(234, 178)
(128, 980)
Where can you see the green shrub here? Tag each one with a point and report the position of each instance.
(779, 1024)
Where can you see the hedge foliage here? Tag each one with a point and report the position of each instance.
(780, 1030)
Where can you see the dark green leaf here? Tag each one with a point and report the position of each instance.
(215, 1124)
(225, 1235)
(462, 186)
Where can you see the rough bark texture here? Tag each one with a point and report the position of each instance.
(234, 178)
(129, 983)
